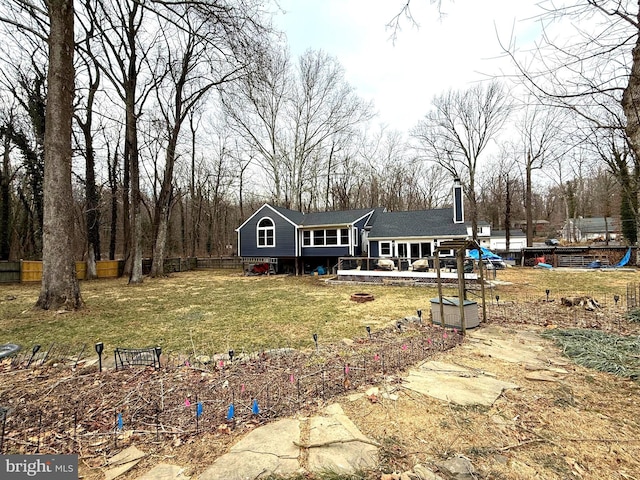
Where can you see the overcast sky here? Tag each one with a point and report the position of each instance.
(454, 50)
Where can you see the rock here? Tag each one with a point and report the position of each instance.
(204, 359)
(373, 391)
(458, 467)
(390, 396)
(348, 342)
(123, 462)
(423, 473)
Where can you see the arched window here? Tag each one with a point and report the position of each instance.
(266, 233)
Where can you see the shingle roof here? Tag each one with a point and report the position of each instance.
(417, 223)
(343, 217)
(294, 216)
(597, 224)
(334, 218)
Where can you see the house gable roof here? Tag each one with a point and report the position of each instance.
(315, 219)
(417, 223)
(289, 215)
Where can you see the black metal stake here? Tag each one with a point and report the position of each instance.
(547, 291)
(158, 351)
(497, 299)
(231, 354)
(368, 331)
(315, 339)
(3, 414)
(99, 349)
(616, 298)
(34, 350)
(75, 365)
(46, 355)
(420, 316)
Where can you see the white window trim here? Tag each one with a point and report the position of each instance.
(312, 244)
(390, 244)
(265, 229)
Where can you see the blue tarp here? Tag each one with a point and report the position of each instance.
(486, 254)
(624, 260)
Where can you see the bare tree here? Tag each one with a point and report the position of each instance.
(596, 73)
(60, 287)
(456, 132)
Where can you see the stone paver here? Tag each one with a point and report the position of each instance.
(266, 450)
(347, 454)
(123, 462)
(164, 471)
(456, 384)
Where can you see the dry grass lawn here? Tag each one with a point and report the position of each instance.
(585, 426)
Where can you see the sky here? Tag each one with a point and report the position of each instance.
(453, 50)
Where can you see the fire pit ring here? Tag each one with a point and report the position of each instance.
(362, 297)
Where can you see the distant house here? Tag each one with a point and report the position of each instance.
(484, 233)
(517, 240)
(591, 229)
(540, 227)
(293, 241)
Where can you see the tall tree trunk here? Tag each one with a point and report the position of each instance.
(163, 206)
(5, 200)
(113, 185)
(60, 287)
(507, 215)
(528, 202)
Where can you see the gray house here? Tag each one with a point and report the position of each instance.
(296, 242)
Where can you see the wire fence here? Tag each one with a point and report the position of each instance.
(51, 403)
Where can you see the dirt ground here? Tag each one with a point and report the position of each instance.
(584, 426)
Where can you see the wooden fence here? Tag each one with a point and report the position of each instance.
(26, 271)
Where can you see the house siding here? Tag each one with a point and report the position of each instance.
(285, 235)
(325, 251)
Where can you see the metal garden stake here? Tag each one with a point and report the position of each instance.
(99, 349)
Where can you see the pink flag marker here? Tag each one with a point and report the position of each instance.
(187, 403)
(291, 379)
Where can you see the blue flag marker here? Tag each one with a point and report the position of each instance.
(199, 409)
(255, 409)
(120, 421)
(231, 412)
